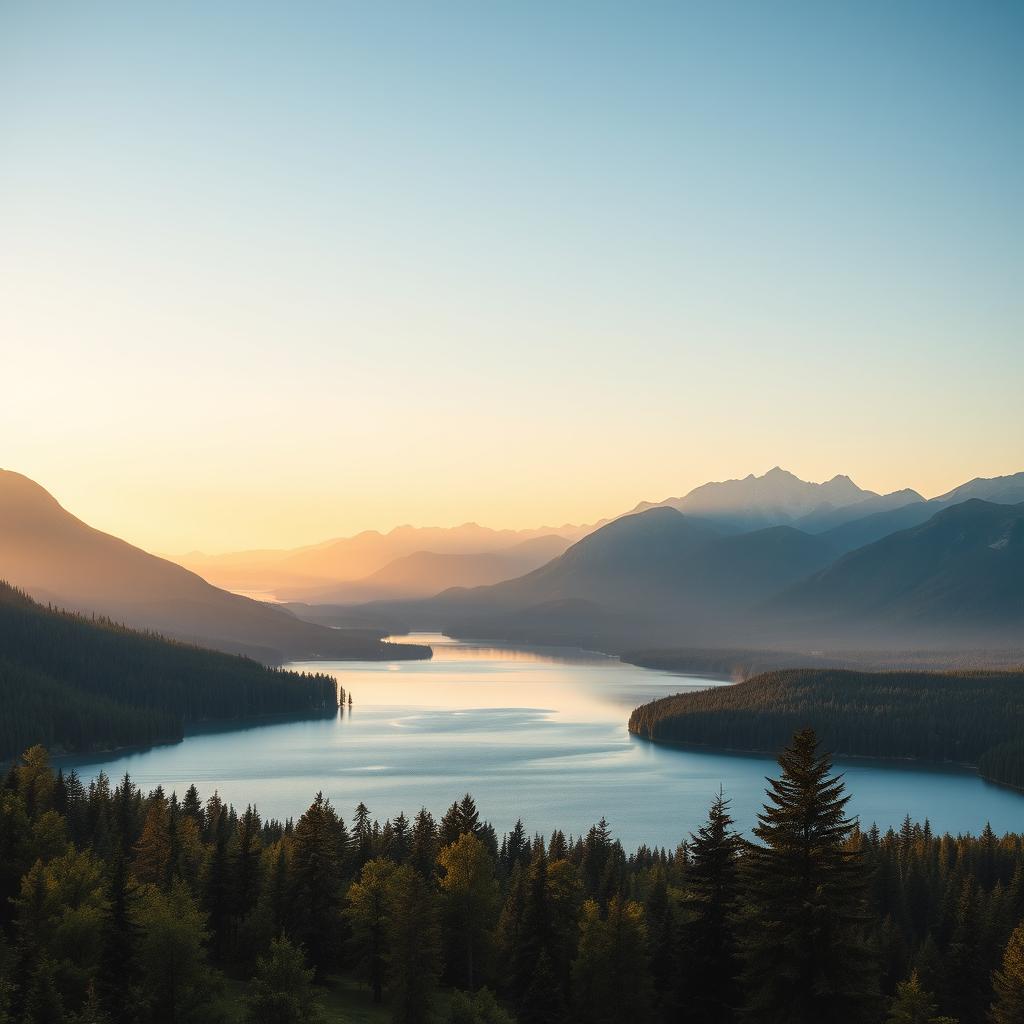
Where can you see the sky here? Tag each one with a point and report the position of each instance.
(271, 273)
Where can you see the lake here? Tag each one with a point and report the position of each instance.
(536, 733)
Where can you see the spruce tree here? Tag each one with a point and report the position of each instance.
(115, 981)
(1008, 982)
(709, 962)
(470, 894)
(611, 981)
(318, 857)
(912, 1003)
(367, 906)
(413, 946)
(282, 989)
(804, 949)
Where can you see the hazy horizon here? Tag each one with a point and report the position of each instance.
(554, 525)
(273, 276)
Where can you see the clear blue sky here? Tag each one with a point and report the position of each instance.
(273, 272)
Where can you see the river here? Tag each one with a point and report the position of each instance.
(533, 733)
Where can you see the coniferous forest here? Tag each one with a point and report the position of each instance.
(968, 717)
(80, 684)
(123, 906)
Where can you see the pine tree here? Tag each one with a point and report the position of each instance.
(319, 845)
(367, 907)
(516, 847)
(43, 1002)
(282, 989)
(362, 834)
(153, 850)
(470, 894)
(611, 981)
(912, 1004)
(414, 947)
(245, 856)
(172, 935)
(423, 845)
(803, 948)
(216, 885)
(709, 963)
(1008, 982)
(115, 986)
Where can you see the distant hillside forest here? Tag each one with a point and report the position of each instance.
(121, 906)
(968, 717)
(78, 684)
(743, 662)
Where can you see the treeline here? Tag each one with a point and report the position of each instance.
(117, 906)
(743, 662)
(969, 717)
(75, 684)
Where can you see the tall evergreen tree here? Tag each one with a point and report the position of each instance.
(912, 1003)
(414, 947)
(709, 958)
(611, 981)
(282, 990)
(804, 948)
(367, 907)
(320, 842)
(1008, 982)
(116, 987)
(470, 894)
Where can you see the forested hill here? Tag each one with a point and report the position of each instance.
(970, 717)
(77, 684)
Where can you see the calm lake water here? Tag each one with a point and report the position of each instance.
(536, 733)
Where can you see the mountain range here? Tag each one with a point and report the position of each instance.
(408, 561)
(769, 560)
(781, 499)
(662, 576)
(58, 559)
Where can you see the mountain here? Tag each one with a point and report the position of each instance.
(309, 573)
(75, 684)
(960, 572)
(648, 574)
(57, 558)
(778, 498)
(1002, 490)
(856, 532)
(428, 572)
(823, 519)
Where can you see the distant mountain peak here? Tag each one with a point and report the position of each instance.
(777, 498)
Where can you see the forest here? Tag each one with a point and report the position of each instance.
(77, 684)
(971, 717)
(123, 906)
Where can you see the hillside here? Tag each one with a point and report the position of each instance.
(879, 522)
(77, 684)
(642, 577)
(307, 573)
(57, 558)
(424, 573)
(962, 570)
(967, 717)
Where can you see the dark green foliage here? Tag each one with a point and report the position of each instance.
(282, 988)
(77, 684)
(320, 844)
(1008, 982)
(127, 906)
(611, 980)
(804, 920)
(414, 946)
(970, 717)
(708, 967)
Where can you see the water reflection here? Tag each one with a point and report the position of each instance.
(533, 733)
